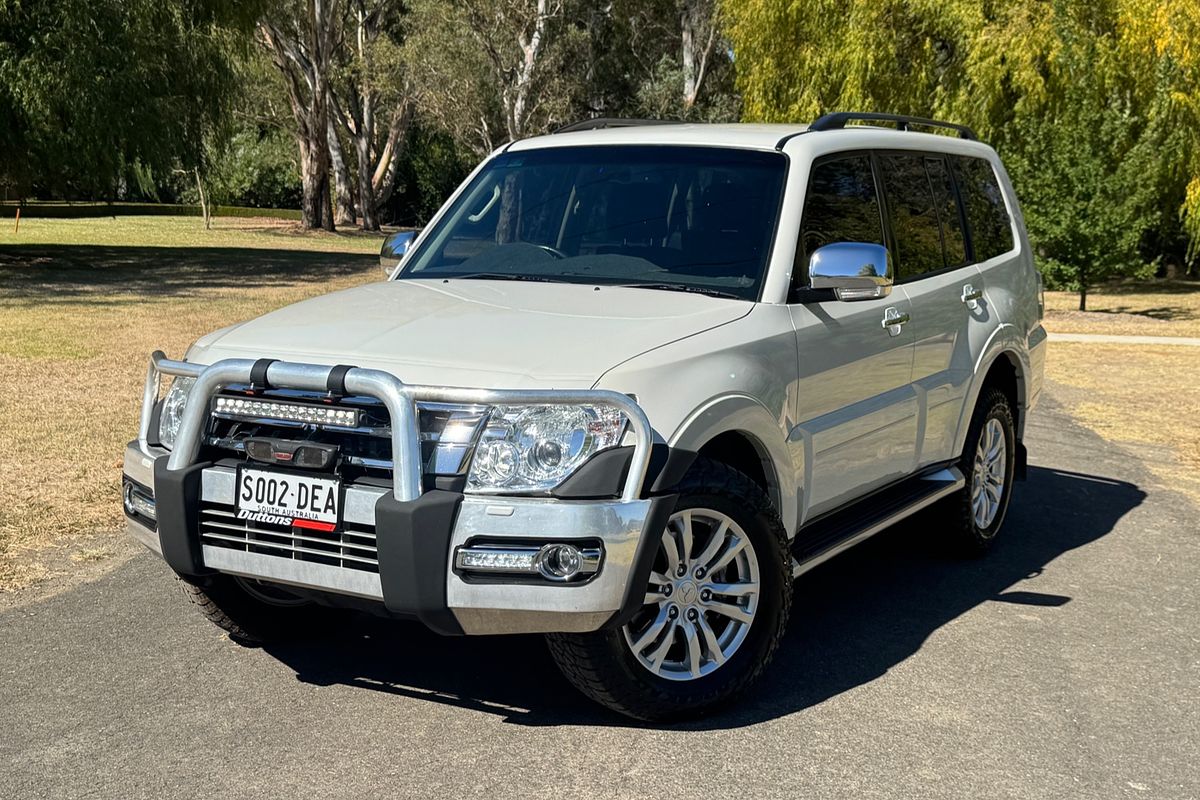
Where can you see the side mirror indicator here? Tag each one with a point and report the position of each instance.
(854, 270)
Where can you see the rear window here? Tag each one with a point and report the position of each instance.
(987, 216)
(914, 215)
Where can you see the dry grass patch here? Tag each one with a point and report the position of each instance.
(77, 323)
(1142, 395)
(1161, 308)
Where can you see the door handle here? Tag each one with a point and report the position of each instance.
(971, 296)
(893, 320)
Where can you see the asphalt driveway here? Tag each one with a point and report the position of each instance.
(1065, 664)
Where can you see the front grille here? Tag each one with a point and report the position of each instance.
(353, 547)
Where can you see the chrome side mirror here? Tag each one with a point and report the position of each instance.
(395, 247)
(854, 270)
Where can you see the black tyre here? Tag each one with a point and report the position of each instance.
(716, 607)
(256, 613)
(973, 516)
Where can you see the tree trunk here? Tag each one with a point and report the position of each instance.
(366, 192)
(343, 213)
(1083, 290)
(300, 48)
(204, 210)
(698, 31)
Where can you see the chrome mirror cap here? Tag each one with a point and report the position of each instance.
(854, 270)
(395, 247)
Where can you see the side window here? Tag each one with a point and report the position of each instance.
(987, 217)
(949, 215)
(913, 213)
(840, 206)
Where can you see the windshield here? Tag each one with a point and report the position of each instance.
(686, 218)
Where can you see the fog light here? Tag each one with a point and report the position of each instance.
(556, 561)
(559, 562)
(137, 502)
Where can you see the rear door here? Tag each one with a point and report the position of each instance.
(933, 266)
(857, 414)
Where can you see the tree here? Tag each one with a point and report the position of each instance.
(662, 59)
(300, 36)
(1087, 101)
(494, 70)
(92, 91)
(370, 88)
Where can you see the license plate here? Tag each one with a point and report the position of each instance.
(287, 497)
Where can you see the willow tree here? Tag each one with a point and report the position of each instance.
(1088, 101)
(94, 91)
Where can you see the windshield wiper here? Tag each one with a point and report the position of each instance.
(502, 276)
(684, 287)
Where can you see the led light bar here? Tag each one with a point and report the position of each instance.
(249, 408)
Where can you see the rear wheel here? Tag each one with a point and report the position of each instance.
(974, 515)
(714, 610)
(254, 612)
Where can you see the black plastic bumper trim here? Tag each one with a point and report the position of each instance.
(661, 508)
(603, 475)
(177, 505)
(413, 541)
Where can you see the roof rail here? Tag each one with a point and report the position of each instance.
(613, 122)
(839, 119)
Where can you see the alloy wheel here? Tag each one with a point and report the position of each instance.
(701, 600)
(988, 474)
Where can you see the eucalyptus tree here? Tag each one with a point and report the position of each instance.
(489, 71)
(370, 99)
(301, 36)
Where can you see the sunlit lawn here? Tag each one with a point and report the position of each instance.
(1159, 308)
(82, 304)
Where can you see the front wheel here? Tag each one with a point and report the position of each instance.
(255, 612)
(714, 610)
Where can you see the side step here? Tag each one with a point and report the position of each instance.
(835, 533)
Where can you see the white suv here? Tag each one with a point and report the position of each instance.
(629, 382)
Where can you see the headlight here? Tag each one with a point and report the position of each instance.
(534, 448)
(171, 415)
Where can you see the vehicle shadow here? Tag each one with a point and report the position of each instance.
(853, 619)
(63, 274)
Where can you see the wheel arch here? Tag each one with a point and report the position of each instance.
(739, 431)
(1005, 365)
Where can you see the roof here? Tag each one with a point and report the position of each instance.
(755, 136)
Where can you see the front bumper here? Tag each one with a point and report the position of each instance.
(415, 534)
(416, 574)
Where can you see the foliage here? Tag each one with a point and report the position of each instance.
(1091, 103)
(430, 168)
(256, 167)
(93, 87)
(488, 71)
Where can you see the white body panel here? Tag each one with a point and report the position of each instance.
(834, 404)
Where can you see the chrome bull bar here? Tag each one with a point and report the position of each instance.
(398, 397)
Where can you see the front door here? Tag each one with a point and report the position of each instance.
(857, 415)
